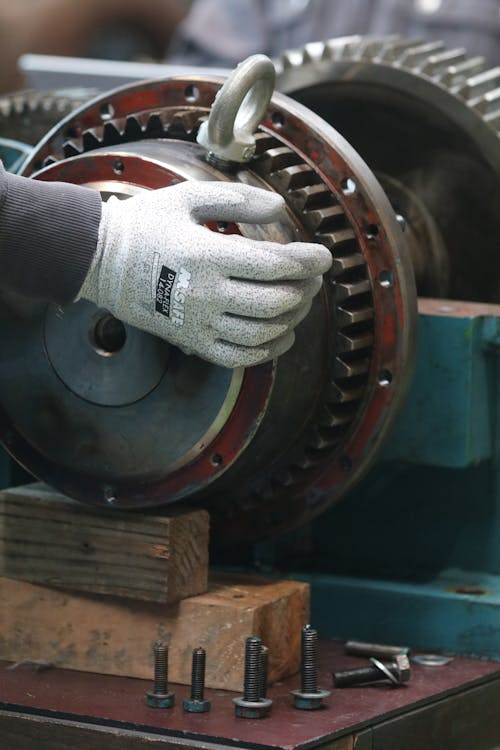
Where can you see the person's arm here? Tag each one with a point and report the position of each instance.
(48, 236)
(151, 262)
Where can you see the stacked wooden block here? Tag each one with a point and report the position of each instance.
(93, 590)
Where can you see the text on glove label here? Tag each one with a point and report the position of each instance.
(171, 293)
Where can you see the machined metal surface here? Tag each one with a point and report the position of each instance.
(279, 443)
(426, 120)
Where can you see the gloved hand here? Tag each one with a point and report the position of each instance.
(231, 300)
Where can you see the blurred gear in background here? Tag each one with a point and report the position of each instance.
(427, 121)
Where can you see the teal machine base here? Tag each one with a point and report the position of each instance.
(412, 556)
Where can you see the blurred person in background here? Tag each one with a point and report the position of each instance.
(223, 32)
(112, 29)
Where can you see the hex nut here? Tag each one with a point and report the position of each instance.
(403, 667)
(252, 709)
(196, 706)
(309, 701)
(160, 700)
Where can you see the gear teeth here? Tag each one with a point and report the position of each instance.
(456, 75)
(339, 49)
(263, 142)
(48, 161)
(324, 219)
(373, 47)
(393, 50)
(341, 265)
(311, 197)
(91, 140)
(72, 148)
(479, 85)
(353, 342)
(346, 317)
(335, 241)
(133, 129)
(338, 416)
(346, 393)
(416, 56)
(437, 64)
(346, 290)
(294, 177)
(276, 159)
(345, 369)
(291, 58)
(324, 438)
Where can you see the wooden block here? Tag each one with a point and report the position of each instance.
(115, 636)
(47, 538)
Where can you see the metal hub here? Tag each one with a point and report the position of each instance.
(124, 418)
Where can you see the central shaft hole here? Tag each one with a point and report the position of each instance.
(107, 334)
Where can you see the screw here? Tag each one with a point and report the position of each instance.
(197, 703)
(159, 696)
(309, 697)
(252, 705)
(397, 672)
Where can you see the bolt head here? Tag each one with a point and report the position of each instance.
(403, 667)
(196, 707)
(160, 700)
(252, 709)
(309, 701)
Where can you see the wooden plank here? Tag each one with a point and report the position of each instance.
(47, 538)
(115, 636)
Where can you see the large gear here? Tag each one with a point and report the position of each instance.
(27, 116)
(427, 121)
(279, 443)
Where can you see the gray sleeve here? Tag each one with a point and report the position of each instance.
(48, 236)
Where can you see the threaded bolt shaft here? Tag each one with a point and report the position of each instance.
(252, 678)
(160, 684)
(309, 665)
(198, 674)
(264, 667)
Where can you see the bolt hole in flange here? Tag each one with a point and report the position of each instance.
(106, 111)
(191, 93)
(118, 166)
(348, 186)
(107, 334)
(385, 378)
(386, 279)
(216, 459)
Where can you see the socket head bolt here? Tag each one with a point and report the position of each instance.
(160, 696)
(197, 704)
(252, 705)
(397, 672)
(309, 697)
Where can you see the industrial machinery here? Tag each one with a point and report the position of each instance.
(412, 555)
(85, 398)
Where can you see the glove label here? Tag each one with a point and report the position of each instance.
(171, 293)
(164, 288)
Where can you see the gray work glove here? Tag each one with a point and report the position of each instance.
(231, 300)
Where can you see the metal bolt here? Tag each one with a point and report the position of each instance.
(396, 672)
(378, 650)
(309, 697)
(197, 703)
(252, 705)
(159, 696)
